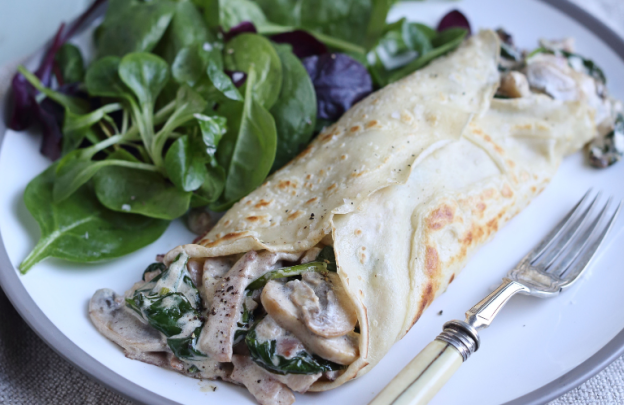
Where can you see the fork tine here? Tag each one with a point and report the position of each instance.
(556, 232)
(583, 261)
(558, 245)
(576, 245)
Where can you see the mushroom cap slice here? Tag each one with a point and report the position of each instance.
(276, 301)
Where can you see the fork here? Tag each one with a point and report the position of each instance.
(555, 264)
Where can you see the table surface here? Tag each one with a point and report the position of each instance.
(32, 373)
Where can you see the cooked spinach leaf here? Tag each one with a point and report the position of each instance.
(327, 256)
(317, 266)
(170, 303)
(156, 266)
(265, 355)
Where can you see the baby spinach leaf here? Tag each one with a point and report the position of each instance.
(81, 229)
(265, 355)
(145, 74)
(222, 82)
(249, 50)
(210, 10)
(102, 79)
(188, 103)
(377, 22)
(295, 110)
(318, 267)
(188, 67)
(141, 192)
(247, 150)
(187, 28)
(345, 19)
(234, 12)
(212, 130)
(212, 188)
(185, 164)
(71, 63)
(133, 26)
(401, 43)
(445, 42)
(76, 168)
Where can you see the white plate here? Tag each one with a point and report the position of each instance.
(533, 342)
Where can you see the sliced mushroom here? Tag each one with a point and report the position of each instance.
(266, 389)
(325, 306)
(225, 311)
(195, 268)
(514, 85)
(109, 315)
(276, 299)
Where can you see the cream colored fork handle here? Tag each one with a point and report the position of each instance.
(423, 377)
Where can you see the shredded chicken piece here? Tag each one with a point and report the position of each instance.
(214, 269)
(226, 309)
(278, 304)
(195, 268)
(310, 255)
(266, 389)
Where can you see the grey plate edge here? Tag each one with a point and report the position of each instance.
(53, 337)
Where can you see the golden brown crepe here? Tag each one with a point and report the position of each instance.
(406, 186)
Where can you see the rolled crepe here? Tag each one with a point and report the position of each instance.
(406, 186)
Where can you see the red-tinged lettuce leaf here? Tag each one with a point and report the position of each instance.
(339, 81)
(303, 43)
(454, 19)
(245, 26)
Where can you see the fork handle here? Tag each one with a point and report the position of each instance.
(423, 377)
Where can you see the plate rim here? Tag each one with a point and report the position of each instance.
(68, 350)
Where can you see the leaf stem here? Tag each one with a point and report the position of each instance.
(333, 42)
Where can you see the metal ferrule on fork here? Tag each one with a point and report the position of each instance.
(462, 336)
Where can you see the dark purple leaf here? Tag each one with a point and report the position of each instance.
(23, 92)
(245, 26)
(303, 44)
(22, 114)
(454, 19)
(50, 117)
(238, 78)
(339, 81)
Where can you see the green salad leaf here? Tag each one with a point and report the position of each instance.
(295, 109)
(81, 229)
(251, 50)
